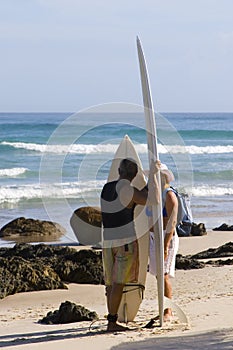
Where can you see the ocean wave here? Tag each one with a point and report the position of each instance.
(13, 172)
(81, 189)
(209, 149)
(111, 148)
(72, 149)
(211, 191)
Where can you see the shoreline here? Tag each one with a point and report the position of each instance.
(205, 295)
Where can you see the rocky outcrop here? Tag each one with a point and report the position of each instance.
(90, 215)
(31, 230)
(86, 225)
(223, 251)
(193, 261)
(198, 229)
(69, 312)
(224, 227)
(188, 263)
(28, 267)
(19, 275)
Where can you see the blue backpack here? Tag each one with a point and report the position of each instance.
(184, 216)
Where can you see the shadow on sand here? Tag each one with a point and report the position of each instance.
(47, 336)
(214, 340)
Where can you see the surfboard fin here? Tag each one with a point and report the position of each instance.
(156, 322)
(179, 312)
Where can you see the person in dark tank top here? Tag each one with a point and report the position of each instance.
(120, 250)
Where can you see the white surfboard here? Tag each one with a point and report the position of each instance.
(153, 156)
(156, 210)
(133, 293)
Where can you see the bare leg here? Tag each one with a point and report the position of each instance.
(114, 295)
(168, 294)
(167, 312)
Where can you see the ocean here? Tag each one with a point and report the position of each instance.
(53, 163)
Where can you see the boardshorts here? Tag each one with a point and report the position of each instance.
(169, 263)
(121, 264)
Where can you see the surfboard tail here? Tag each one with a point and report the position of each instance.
(168, 303)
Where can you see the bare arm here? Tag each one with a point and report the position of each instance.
(153, 185)
(152, 195)
(130, 195)
(172, 209)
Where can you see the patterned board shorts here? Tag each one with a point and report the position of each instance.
(169, 263)
(121, 264)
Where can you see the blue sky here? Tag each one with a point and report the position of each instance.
(66, 55)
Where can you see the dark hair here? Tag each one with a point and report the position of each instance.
(128, 168)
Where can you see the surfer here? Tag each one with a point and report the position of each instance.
(171, 239)
(120, 246)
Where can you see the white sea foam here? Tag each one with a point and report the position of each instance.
(209, 191)
(82, 189)
(111, 148)
(14, 194)
(13, 172)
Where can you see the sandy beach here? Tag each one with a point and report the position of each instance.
(205, 295)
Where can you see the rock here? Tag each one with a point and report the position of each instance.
(188, 263)
(19, 275)
(31, 230)
(28, 267)
(198, 229)
(222, 251)
(223, 227)
(85, 266)
(220, 262)
(86, 224)
(90, 215)
(69, 312)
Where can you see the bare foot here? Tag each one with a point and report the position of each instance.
(167, 315)
(115, 327)
(166, 318)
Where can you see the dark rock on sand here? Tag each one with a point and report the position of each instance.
(69, 312)
(31, 230)
(198, 229)
(222, 251)
(28, 267)
(223, 227)
(188, 263)
(86, 225)
(84, 266)
(19, 275)
(90, 215)
(220, 262)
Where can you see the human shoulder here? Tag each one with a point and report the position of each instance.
(171, 203)
(109, 186)
(110, 183)
(171, 195)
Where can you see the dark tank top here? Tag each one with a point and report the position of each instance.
(118, 221)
